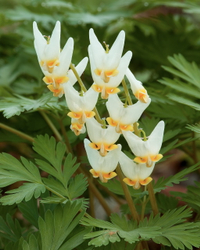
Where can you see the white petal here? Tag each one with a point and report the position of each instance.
(156, 137)
(127, 166)
(115, 52)
(136, 144)
(122, 68)
(53, 48)
(93, 129)
(114, 106)
(133, 112)
(72, 97)
(144, 171)
(39, 41)
(111, 160)
(93, 156)
(89, 99)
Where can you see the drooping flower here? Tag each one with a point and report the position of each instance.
(81, 107)
(77, 127)
(136, 174)
(107, 66)
(102, 167)
(103, 139)
(48, 50)
(55, 81)
(121, 117)
(146, 152)
(137, 88)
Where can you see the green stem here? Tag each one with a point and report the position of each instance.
(68, 145)
(51, 125)
(127, 195)
(17, 132)
(143, 205)
(152, 199)
(84, 89)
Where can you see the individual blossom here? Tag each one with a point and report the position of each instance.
(136, 174)
(80, 106)
(103, 139)
(77, 127)
(136, 86)
(48, 50)
(108, 67)
(147, 151)
(102, 167)
(122, 117)
(55, 81)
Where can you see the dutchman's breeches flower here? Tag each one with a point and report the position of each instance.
(107, 66)
(136, 86)
(103, 139)
(122, 117)
(80, 106)
(146, 152)
(102, 167)
(136, 174)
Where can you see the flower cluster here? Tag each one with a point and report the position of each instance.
(108, 69)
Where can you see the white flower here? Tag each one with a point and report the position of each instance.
(122, 118)
(146, 151)
(103, 139)
(136, 174)
(102, 167)
(136, 86)
(81, 106)
(77, 127)
(55, 81)
(107, 66)
(48, 50)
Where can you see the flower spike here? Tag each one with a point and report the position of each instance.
(146, 151)
(102, 167)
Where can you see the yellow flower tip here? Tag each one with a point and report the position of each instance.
(75, 115)
(77, 126)
(110, 147)
(112, 90)
(128, 127)
(48, 80)
(134, 183)
(90, 114)
(50, 64)
(142, 95)
(94, 173)
(112, 72)
(56, 91)
(140, 159)
(109, 176)
(94, 145)
(156, 158)
(61, 79)
(97, 88)
(111, 122)
(146, 181)
(98, 72)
